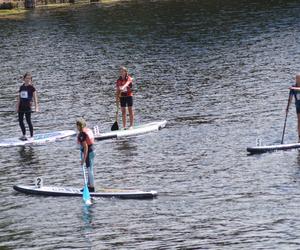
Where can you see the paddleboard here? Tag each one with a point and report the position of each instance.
(136, 130)
(71, 191)
(264, 149)
(37, 138)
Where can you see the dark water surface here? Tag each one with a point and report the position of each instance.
(218, 71)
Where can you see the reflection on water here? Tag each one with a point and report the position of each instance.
(87, 227)
(298, 157)
(126, 145)
(87, 216)
(27, 156)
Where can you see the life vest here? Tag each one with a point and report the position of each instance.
(90, 136)
(128, 90)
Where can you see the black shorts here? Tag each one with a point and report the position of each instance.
(126, 101)
(25, 109)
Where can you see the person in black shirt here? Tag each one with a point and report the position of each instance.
(27, 94)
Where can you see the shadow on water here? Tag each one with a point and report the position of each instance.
(298, 159)
(128, 146)
(27, 155)
(28, 163)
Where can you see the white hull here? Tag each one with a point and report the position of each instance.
(37, 138)
(136, 130)
(71, 191)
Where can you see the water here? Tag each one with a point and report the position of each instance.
(218, 71)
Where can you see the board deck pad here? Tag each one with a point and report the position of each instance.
(270, 148)
(136, 130)
(37, 138)
(71, 191)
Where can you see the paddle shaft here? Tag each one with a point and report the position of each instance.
(115, 126)
(286, 115)
(283, 132)
(117, 114)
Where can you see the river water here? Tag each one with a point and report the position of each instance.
(217, 71)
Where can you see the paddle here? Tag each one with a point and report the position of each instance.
(115, 126)
(86, 193)
(286, 115)
(284, 127)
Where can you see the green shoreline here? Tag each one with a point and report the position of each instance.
(19, 11)
(12, 12)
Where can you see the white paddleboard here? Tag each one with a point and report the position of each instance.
(136, 130)
(37, 138)
(72, 191)
(264, 149)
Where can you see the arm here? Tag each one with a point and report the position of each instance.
(294, 88)
(129, 81)
(18, 103)
(85, 152)
(36, 104)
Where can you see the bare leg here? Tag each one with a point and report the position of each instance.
(131, 116)
(123, 109)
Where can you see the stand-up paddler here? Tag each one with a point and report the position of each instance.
(295, 93)
(124, 95)
(27, 94)
(86, 140)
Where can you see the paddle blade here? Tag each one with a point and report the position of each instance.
(115, 126)
(86, 196)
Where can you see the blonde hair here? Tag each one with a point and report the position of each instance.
(81, 123)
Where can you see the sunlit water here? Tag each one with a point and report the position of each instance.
(218, 71)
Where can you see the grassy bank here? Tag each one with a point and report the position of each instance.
(12, 12)
(18, 11)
